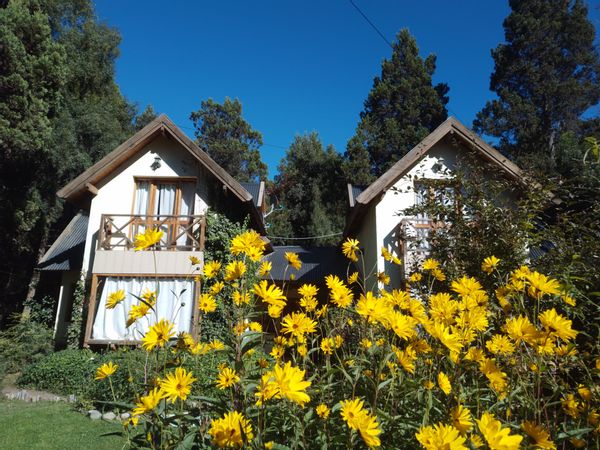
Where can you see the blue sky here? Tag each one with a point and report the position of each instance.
(296, 66)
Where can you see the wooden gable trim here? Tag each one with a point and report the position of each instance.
(160, 125)
(359, 205)
(450, 126)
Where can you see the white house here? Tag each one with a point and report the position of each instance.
(377, 216)
(158, 178)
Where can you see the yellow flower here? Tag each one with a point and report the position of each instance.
(269, 445)
(569, 300)
(352, 412)
(461, 419)
(444, 383)
(235, 270)
(137, 312)
(366, 343)
(438, 274)
(466, 286)
(158, 335)
(241, 299)
(207, 303)
(430, 264)
(327, 346)
(115, 298)
(291, 384)
(216, 345)
(232, 430)
(498, 438)
(265, 268)
(571, 406)
(540, 285)
(308, 290)
(298, 324)
(105, 370)
(382, 277)
(256, 327)
(415, 277)
(539, 435)
(495, 376)
(309, 303)
(374, 309)
(406, 358)
(302, 350)
(353, 278)
(428, 384)
(349, 248)
(194, 260)
(557, 324)
(249, 243)
(358, 418)
(323, 411)
(148, 238)
(500, 345)
(148, 402)
(177, 385)
(293, 260)
(390, 257)
(277, 352)
(217, 287)
(404, 326)
(520, 329)
(272, 295)
(211, 269)
(489, 264)
(441, 436)
(227, 378)
(339, 341)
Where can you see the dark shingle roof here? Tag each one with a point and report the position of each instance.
(67, 251)
(317, 262)
(254, 190)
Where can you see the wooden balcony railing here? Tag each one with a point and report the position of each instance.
(118, 231)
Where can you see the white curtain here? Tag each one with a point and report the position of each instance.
(164, 205)
(141, 198)
(174, 302)
(187, 209)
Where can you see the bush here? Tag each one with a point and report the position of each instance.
(22, 344)
(65, 372)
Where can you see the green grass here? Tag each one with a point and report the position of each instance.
(49, 426)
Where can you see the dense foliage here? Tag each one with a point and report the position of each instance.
(308, 193)
(454, 362)
(546, 76)
(402, 108)
(222, 132)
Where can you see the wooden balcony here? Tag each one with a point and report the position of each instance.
(181, 233)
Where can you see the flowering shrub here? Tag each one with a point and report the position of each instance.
(441, 364)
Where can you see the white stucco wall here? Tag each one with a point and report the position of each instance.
(379, 227)
(116, 193)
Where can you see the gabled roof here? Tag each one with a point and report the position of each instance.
(450, 126)
(67, 251)
(256, 190)
(161, 126)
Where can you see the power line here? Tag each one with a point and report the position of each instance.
(371, 23)
(305, 238)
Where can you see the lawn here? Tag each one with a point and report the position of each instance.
(49, 425)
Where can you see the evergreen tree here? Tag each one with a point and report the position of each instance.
(222, 132)
(402, 108)
(31, 76)
(144, 118)
(546, 76)
(309, 192)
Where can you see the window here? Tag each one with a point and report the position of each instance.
(165, 203)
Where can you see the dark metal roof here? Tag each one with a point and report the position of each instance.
(254, 190)
(317, 263)
(67, 251)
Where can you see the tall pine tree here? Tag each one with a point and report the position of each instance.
(222, 132)
(546, 76)
(309, 192)
(402, 108)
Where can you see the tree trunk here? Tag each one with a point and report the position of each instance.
(35, 277)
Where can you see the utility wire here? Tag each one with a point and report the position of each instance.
(305, 238)
(371, 23)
